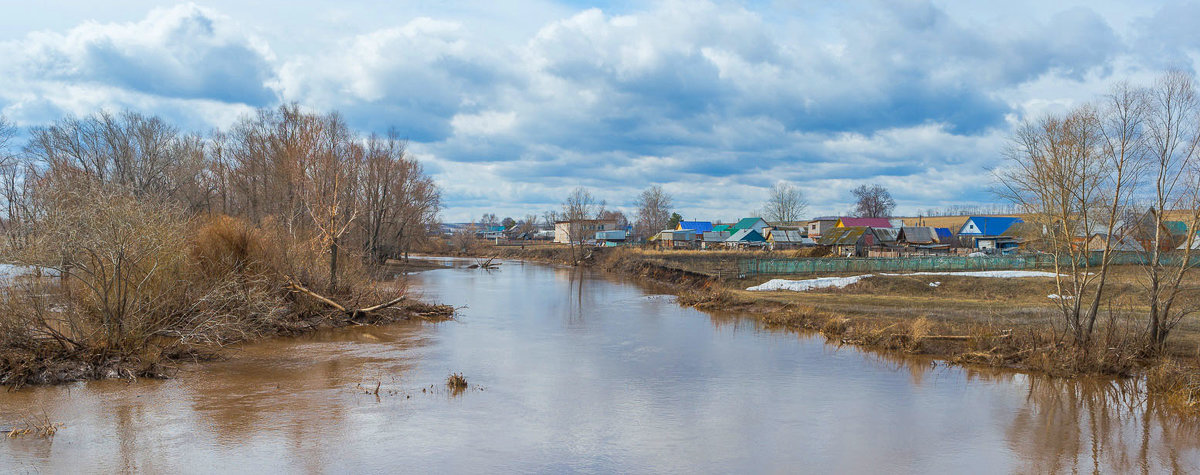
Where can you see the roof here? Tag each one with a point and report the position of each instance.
(990, 225)
(715, 236)
(917, 235)
(1176, 228)
(746, 223)
(698, 226)
(615, 235)
(781, 235)
(746, 235)
(886, 235)
(843, 236)
(1123, 243)
(872, 222)
(943, 233)
(721, 227)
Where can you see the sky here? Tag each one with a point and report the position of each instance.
(511, 105)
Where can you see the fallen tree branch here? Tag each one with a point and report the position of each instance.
(353, 313)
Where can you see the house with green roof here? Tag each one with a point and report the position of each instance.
(756, 224)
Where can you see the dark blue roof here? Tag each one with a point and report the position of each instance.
(943, 233)
(993, 225)
(698, 226)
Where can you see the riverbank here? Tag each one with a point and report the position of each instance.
(994, 322)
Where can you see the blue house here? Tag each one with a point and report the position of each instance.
(991, 233)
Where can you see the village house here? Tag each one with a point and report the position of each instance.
(850, 241)
(779, 239)
(818, 226)
(991, 234)
(581, 230)
(758, 225)
(712, 239)
(746, 238)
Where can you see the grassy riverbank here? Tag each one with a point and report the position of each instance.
(999, 322)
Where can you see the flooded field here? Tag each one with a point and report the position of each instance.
(574, 370)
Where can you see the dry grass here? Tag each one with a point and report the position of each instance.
(456, 382)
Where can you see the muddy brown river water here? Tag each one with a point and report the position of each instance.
(576, 371)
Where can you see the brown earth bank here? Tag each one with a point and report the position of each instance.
(995, 322)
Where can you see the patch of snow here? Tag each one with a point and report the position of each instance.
(1057, 297)
(10, 271)
(934, 284)
(977, 254)
(808, 284)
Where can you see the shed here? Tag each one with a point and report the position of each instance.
(885, 236)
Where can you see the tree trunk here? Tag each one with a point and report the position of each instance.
(333, 264)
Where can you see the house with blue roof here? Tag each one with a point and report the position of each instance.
(991, 233)
(697, 226)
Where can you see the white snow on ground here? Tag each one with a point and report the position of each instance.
(10, 271)
(1056, 297)
(839, 282)
(808, 284)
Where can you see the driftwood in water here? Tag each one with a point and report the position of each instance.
(352, 313)
(487, 264)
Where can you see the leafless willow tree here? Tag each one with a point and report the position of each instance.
(1061, 174)
(653, 211)
(785, 204)
(399, 200)
(1172, 139)
(873, 201)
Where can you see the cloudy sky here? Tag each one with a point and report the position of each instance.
(512, 104)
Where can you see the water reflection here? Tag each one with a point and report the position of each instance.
(584, 372)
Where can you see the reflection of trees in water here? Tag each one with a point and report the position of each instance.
(304, 398)
(1099, 425)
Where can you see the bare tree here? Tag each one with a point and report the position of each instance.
(786, 204)
(654, 211)
(1172, 139)
(578, 209)
(1072, 173)
(330, 186)
(873, 201)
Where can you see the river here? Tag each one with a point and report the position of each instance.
(575, 370)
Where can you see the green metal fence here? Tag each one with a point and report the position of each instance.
(820, 265)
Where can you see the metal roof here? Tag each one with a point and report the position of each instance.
(721, 227)
(715, 236)
(781, 235)
(746, 235)
(886, 235)
(917, 235)
(990, 225)
(943, 233)
(746, 223)
(697, 226)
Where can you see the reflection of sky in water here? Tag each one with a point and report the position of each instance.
(581, 372)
